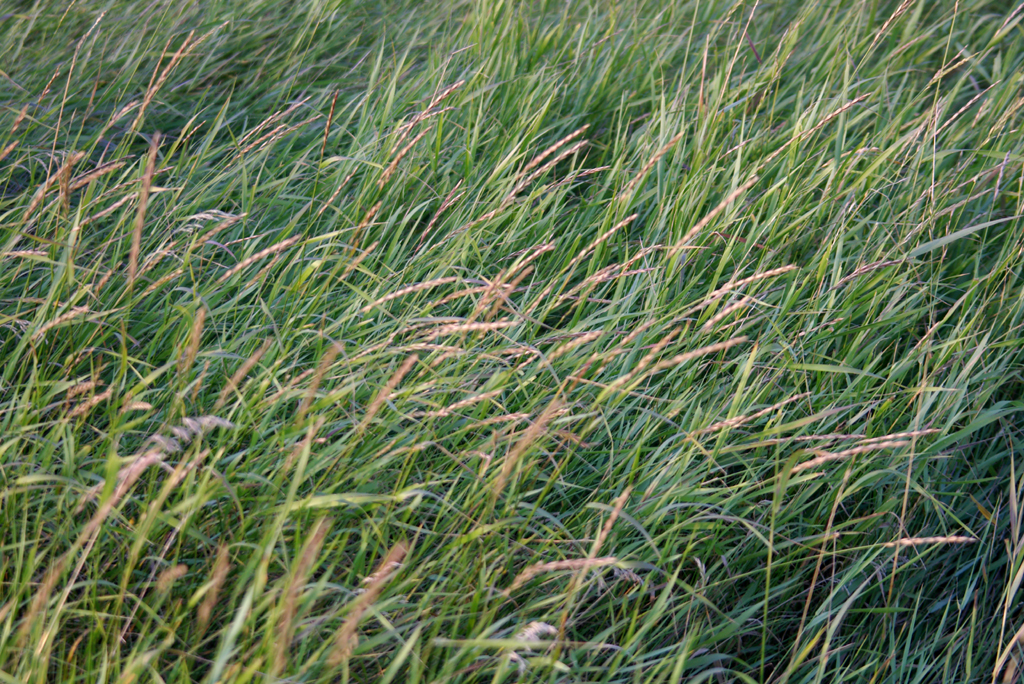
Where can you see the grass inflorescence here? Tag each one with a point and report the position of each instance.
(481, 341)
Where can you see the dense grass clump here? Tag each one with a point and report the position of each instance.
(452, 342)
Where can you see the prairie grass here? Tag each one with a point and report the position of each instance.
(475, 341)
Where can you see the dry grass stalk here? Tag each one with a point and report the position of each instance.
(25, 253)
(157, 284)
(367, 218)
(140, 216)
(526, 181)
(109, 210)
(274, 135)
(551, 150)
(507, 418)
(40, 195)
(899, 435)
(600, 239)
(498, 293)
(7, 150)
(398, 158)
(454, 328)
(650, 163)
(722, 206)
(867, 268)
(306, 443)
(740, 420)
(151, 91)
(829, 117)
(194, 339)
(385, 392)
(724, 313)
(220, 573)
(14, 129)
(431, 111)
(646, 359)
(409, 290)
(326, 361)
(83, 180)
(824, 457)
(226, 223)
(556, 566)
(88, 405)
(272, 119)
(74, 313)
(308, 556)
(337, 191)
(354, 264)
(703, 351)
(243, 371)
(200, 380)
(136, 406)
(64, 179)
(274, 249)
(346, 640)
(82, 388)
(169, 576)
(920, 541)
(618, 505)
(737, 285)
(453, 196)
(327, 124)
(42, 597)
(530, 435)
(448, 410)
(904, 6)
(567, 347)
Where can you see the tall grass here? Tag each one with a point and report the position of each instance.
(487, 341)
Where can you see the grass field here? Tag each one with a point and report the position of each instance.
(480, 341)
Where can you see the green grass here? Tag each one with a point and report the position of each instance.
(568, 342)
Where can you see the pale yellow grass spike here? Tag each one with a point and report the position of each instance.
(469, 401)
(738, 284)
(88, 405)
(345, 640)
(556, 566)
(140, 216)
(281, 246)
(827, 457)
(617, 507)
(155, 86)
(689, 356)
(600, 239)
(285, 626)
(526, 181)
(194, 339)
(418, 287)
(242, 371)
(220, 573)
(726, 312)
(354, 264)
(551, 150)
(455, 328)
(921, 541)
(722, 206)
(806, 134)
(650, 164)
(740, 420)
(529, 436)
(325, 363)
(74, 313)
(398, 158)
(385, 392)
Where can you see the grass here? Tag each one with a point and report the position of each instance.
(484, 341)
